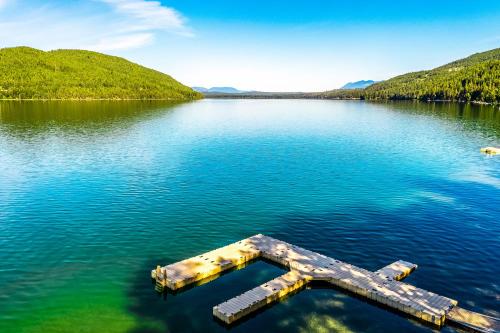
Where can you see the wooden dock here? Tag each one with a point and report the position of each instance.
(383, 286)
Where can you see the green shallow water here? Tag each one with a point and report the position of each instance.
(93, 195)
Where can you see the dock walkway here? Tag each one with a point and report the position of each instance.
(383, 286)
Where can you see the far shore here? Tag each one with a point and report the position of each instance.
(312, 96)
(319, 96)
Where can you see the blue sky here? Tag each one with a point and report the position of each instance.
(261, 45)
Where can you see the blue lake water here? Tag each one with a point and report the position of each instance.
(93, 195)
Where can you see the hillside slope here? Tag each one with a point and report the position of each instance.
(27, 73)
(475, 78)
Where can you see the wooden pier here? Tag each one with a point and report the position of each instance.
(383, 286)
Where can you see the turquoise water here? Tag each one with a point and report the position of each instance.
(93, 195)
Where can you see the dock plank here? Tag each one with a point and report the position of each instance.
(473, 320)
(397, 270)
(254, 299)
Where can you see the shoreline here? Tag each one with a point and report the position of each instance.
(316, 97)
(238, 96)
(96, 99)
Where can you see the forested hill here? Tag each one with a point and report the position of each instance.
(27, 73)
(475, 78)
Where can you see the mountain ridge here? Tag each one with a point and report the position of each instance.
(224, 90)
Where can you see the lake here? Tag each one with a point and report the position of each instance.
(93, 195)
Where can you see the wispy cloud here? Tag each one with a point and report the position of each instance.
(122, 42)
(150, 15)
(99, 25)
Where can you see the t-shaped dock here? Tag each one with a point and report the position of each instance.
(383, 286)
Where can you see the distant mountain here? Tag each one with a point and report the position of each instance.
(475, 78)
(358, 84)
(200, 89)
(27, 73)
(224, 90)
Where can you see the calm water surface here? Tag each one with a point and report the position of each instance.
(94, 194)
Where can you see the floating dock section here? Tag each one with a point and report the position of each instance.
(383, 286)
(473, 321)
(490, 150)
